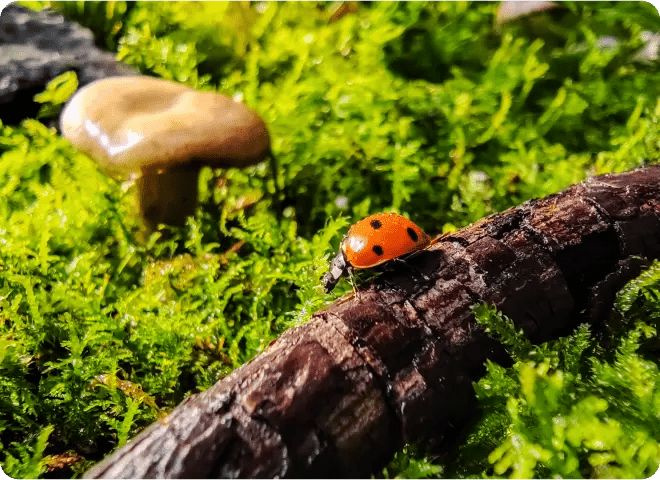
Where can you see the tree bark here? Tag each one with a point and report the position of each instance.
(339, 395)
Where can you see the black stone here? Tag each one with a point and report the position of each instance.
(35, 47)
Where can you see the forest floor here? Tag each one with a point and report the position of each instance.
(427, 109)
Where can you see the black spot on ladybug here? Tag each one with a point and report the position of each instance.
(375, 224)
(378, 250)
(412, 234)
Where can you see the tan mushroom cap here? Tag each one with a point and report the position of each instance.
(130, 124)
(511, 10)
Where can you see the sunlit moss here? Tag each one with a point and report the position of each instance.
(569, 407)
(422, 108)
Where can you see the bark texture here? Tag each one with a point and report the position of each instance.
(339, 395)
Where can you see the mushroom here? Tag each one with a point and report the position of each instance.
(511, 10)
(160, 133)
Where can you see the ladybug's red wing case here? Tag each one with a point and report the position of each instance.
(373, 241)
(380, 238)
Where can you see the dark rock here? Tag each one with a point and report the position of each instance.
(35, 47)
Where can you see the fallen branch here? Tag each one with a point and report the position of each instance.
(339, 395)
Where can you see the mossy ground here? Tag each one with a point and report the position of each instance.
(425, 109)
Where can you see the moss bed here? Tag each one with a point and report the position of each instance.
(426, 109)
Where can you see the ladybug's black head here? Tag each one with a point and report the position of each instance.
(338, 267)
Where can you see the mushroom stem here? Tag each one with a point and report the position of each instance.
(169, 196)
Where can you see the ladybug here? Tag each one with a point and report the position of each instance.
(372, 241)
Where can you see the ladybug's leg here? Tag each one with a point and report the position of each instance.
(351, 280)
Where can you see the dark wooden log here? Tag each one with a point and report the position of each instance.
(339, 395)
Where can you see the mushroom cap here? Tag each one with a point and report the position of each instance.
(511, 10)
(131, 124)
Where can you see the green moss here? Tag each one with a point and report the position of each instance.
(569, 407)
(426, 109)
(56, 94)
(408, 463)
